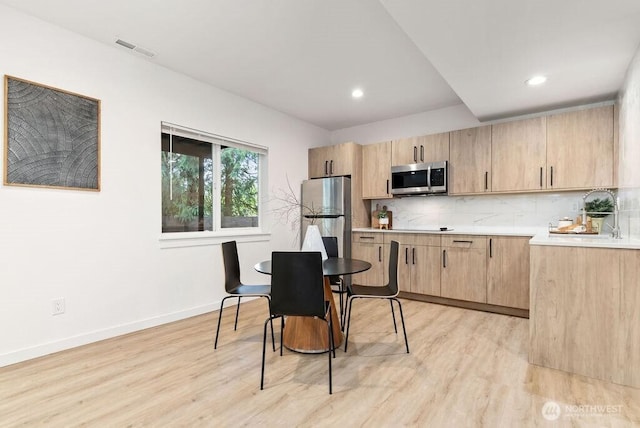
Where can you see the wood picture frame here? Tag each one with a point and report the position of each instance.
(52, 137)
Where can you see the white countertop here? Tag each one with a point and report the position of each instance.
(496, 231)
(585, 241)
(540, 236)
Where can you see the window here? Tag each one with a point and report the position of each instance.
(209, 182)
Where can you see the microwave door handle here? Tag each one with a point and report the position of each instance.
(429, 177)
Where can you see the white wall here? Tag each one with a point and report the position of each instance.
(101, 250)
(629, 154)
(431, 122)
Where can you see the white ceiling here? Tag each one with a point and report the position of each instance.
(303, 57)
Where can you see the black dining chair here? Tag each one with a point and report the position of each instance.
(389, 291)
(297, 289)
(235, 288)
(336, 282)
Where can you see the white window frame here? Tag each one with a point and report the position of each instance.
(218, 235)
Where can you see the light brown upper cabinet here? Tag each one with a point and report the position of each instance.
(580, 149)
(519, 155)
(470, 161)
(427, 148)
(376, 167)
(330, 161)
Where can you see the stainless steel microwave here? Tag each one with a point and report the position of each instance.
(419, 178)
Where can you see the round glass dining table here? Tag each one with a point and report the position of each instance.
(309, 335)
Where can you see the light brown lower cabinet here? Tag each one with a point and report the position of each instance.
(418, 263)
(369, 247)
(584, 315)
(464, 268)
(473, 268)
(508, 271)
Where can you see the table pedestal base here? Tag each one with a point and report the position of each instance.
(309, 335)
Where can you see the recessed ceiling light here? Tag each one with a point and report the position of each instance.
(536, 80)
(357, 93)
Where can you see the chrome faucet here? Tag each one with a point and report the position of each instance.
(615, 229)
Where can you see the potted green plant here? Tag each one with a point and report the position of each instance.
(597, 209)
(383, 218)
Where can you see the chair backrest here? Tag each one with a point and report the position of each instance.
(393, 267)
(297, 283)
(331, 245)
(231, 265)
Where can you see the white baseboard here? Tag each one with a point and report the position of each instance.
(107, 333)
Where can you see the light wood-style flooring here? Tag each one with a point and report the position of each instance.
(465, 369)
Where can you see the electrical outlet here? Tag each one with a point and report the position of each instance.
(57, 306)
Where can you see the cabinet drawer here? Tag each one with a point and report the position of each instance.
(465, 241)
(425, 239)
(366, 237)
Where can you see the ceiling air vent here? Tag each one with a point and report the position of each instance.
(138, 49)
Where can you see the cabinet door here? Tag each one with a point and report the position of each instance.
(331, 160)
(518, 155)
(319, 162)
(373, 253)
(426, 148)
(580, 149)
(341, 159)
(470, 161)
(425, 270)
(508, 271)
(404, 267)
(464, 268)
(376, 168)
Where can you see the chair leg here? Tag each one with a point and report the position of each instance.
(273, 337)
(235, 325)
(331, 343)
(393, 315)
(264, 349)
(281, 333)
(406, 342)
(215, 346)
(348, 322)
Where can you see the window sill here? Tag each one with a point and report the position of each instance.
(198, 239)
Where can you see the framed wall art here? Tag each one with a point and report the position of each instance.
(52, 137)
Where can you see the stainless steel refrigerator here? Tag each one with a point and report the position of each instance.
(326, 202)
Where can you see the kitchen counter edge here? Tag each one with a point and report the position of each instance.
(538, 237)
(455, 231)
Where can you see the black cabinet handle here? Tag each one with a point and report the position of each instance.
(444, 258)
(490, 247)
(486, 180)
(421, 153)
(460, 241)
(551, 178)
(326, 167)
(415, 153)
(406, 256)
(413, 256)
(540, 176)
(331, 167)
(366, 237)
(387, 187)
(380, 254)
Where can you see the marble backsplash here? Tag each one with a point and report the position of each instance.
(532, 211)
